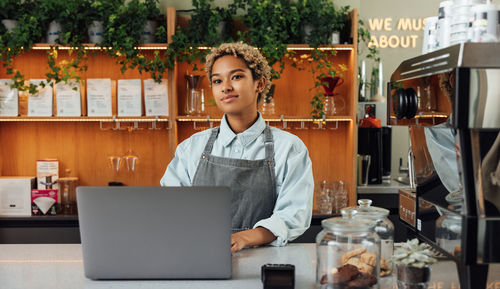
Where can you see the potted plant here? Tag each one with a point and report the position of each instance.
(320, 20)
(123, 33)
(26, 31)
(10, 11)
(152, 16)
(413, 264)
(206, 27)
(97, 13)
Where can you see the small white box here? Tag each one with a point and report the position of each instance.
(47, 174)
(15, 195)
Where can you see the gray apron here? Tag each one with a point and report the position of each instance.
(252, 182)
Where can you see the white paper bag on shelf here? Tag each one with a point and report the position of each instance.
(156, 97)
(68, 98)
(41, 103)
(9, 98)
(99, 97)
(129, 97)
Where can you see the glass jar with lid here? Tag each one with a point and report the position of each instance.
(348, 254)
(449, 231)
(383, 227)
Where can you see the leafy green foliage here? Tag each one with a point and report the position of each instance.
(323, 19)
(12, 43)
(11, 9)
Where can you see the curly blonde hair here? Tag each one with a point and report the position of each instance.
(250, 55)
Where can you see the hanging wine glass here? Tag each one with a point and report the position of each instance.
(130, 157)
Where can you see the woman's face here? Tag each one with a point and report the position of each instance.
(233, 87)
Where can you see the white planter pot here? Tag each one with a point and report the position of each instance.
(53, 32)
(335, 38)
(9, 24)
(221, 30)
(96, 32)
(149, 31)
(307, 29)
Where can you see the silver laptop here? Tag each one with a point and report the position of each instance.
(155, 232)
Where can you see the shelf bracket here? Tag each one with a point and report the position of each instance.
(153, 123)
(336, 125)
(302, 125)
(284, 122)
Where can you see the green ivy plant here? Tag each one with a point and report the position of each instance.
(272, 25)
(123, 32)
(72, 15)
(323, 19)
(202, 31)
(13, 43)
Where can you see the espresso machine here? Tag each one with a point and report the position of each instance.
(450, 101)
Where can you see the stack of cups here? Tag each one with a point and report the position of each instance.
(430, 42)
(443, 24)
(461, 20)
(486, 23)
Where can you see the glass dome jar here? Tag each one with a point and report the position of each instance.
(348, 254)
(449, 231)
(383, 227)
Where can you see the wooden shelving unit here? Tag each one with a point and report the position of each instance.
(83, 146)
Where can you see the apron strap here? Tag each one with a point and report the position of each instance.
(210, 142)
(269, 144)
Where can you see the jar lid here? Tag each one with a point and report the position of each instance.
(365, 210)
(340, 224)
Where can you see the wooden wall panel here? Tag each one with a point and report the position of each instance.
(84, 149)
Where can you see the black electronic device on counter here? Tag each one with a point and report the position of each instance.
(449, 99)
(376, 142)
(278, 276)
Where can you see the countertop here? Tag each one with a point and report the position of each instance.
(60, 266)
(383, 188)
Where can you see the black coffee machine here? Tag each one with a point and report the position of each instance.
(376, 142)
(450, 100)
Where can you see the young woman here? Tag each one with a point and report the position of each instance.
(268, 170)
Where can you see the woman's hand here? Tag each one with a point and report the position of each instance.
(252, 237)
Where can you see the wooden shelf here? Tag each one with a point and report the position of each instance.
(83, 119)
(164, 46)
(341, 118)
(306, 47)
(91, 46)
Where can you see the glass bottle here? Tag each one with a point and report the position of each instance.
(194, 96)
(348, 254)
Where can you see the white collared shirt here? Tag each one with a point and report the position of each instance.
(294, 179)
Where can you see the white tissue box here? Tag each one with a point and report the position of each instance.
(15, 195)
